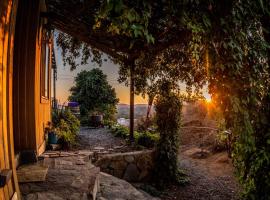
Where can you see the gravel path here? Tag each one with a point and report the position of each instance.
(209, 178)
(91, 138)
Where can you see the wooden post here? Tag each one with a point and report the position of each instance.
(54, 67)
(131, 106)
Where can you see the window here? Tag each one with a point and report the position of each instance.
(45, 65)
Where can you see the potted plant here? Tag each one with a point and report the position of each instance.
(52, 135)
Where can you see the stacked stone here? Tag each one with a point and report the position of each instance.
(132, 166)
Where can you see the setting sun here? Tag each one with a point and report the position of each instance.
(208, 100)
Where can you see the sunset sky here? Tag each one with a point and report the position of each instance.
(65, 80)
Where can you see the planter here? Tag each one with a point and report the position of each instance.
(96, 120)
(52, 138)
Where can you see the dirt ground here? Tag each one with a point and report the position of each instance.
(211, 173)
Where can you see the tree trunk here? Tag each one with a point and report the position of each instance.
(131, 113)
(150, 103)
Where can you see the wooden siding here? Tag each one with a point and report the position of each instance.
(31, 115)
(8, 10)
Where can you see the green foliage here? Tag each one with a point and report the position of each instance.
(222, 43)
(145, 139)
(130, 20)
(109, 123)
(168, 107)
(120, 131)
(66, 126)
(94, 94)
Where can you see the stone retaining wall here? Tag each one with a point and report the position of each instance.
(132, 166)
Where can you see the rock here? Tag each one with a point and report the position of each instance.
(144, 175)
(78, 182)
(131, 173)
(80, 162)
(118, 173)
(113, 188)
(76, 196)
(99, 148)
(145, 162)
(129, 158)
(43, 196)
(118, 165)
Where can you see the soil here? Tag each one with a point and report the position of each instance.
(210, 173)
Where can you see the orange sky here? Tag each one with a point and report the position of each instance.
(66, 80)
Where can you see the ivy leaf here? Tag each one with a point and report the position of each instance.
(261, 4)
(206, 21)
(137, 29)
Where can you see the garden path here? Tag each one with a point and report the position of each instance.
(211, 174)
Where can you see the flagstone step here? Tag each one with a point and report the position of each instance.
(71, 175)
(32, 173)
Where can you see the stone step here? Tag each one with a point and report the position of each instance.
(69, 177)
(32, 173)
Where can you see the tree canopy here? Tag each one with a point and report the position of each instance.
(221, 43)
(94, 93)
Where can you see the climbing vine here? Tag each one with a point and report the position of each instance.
(223, 44)
(168, 116)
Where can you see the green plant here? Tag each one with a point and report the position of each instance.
(109, 123)
(168, 107)
(146, 139)
(66, 126)
(94, 94)
(120, 131)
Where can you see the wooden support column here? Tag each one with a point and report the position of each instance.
(131, 106)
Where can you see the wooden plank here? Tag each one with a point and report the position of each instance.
(7, 10)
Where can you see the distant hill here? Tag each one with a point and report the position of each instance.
(140, 111)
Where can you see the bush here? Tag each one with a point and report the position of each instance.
(120, 131)
(109, 123)
(66, 126)
(147, 139)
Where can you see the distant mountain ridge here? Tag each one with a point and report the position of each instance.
(140, 110)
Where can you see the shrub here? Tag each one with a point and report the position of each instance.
(120, 131)
(147, 139)
(66, 126)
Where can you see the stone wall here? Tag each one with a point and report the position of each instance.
(132, 166)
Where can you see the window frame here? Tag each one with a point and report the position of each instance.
(45, 64)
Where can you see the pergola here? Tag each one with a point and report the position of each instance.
(77, 18)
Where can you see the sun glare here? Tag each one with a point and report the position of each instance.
(208, 100)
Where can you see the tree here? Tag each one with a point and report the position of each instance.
(225, 43)
(94, 93)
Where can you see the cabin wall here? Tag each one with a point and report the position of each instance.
(31, 112)
(42, 105)
(8, 10)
